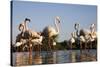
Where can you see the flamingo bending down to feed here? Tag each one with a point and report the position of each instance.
(37, 40)
(21, 45)
(22, 41)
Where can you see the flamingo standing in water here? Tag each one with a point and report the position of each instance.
(72, 39)
(28, 37)
(27, 33)
(50, 32)
(93, 34)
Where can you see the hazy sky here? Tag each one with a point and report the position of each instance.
(43, 14)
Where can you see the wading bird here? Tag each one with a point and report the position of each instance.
(50, 32)
(72, 39)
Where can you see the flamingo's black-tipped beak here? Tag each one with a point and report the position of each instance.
(76, 26)
(27, 19)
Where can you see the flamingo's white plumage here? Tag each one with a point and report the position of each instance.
(18, 44)
(73, 37)
(51, 31)
(37, 41)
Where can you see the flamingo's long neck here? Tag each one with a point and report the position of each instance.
(26, 28)
(56, 25)
(21, 28)
(92, 28)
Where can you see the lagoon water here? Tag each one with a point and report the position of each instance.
(62, 56)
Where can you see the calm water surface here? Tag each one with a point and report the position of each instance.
(62, 56)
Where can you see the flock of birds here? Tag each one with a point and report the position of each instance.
(86, 38)
(28, 38)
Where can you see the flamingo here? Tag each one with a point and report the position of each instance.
(22, 41)
(51, 31)
(23, 28)
(88, 36)
(72, 39)
(93, 32)
(20, 44)
(83, 38)
(72, 42)
(93, 35)
(27, 32)
(37, 40)
(82, 41)
(34, 38)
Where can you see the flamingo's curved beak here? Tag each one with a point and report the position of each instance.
(27, 19)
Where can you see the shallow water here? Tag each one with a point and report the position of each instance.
(62, 56)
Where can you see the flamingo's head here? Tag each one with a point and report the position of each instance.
(58, 19)
(76, 26)
(27, 19)
(92, 25)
